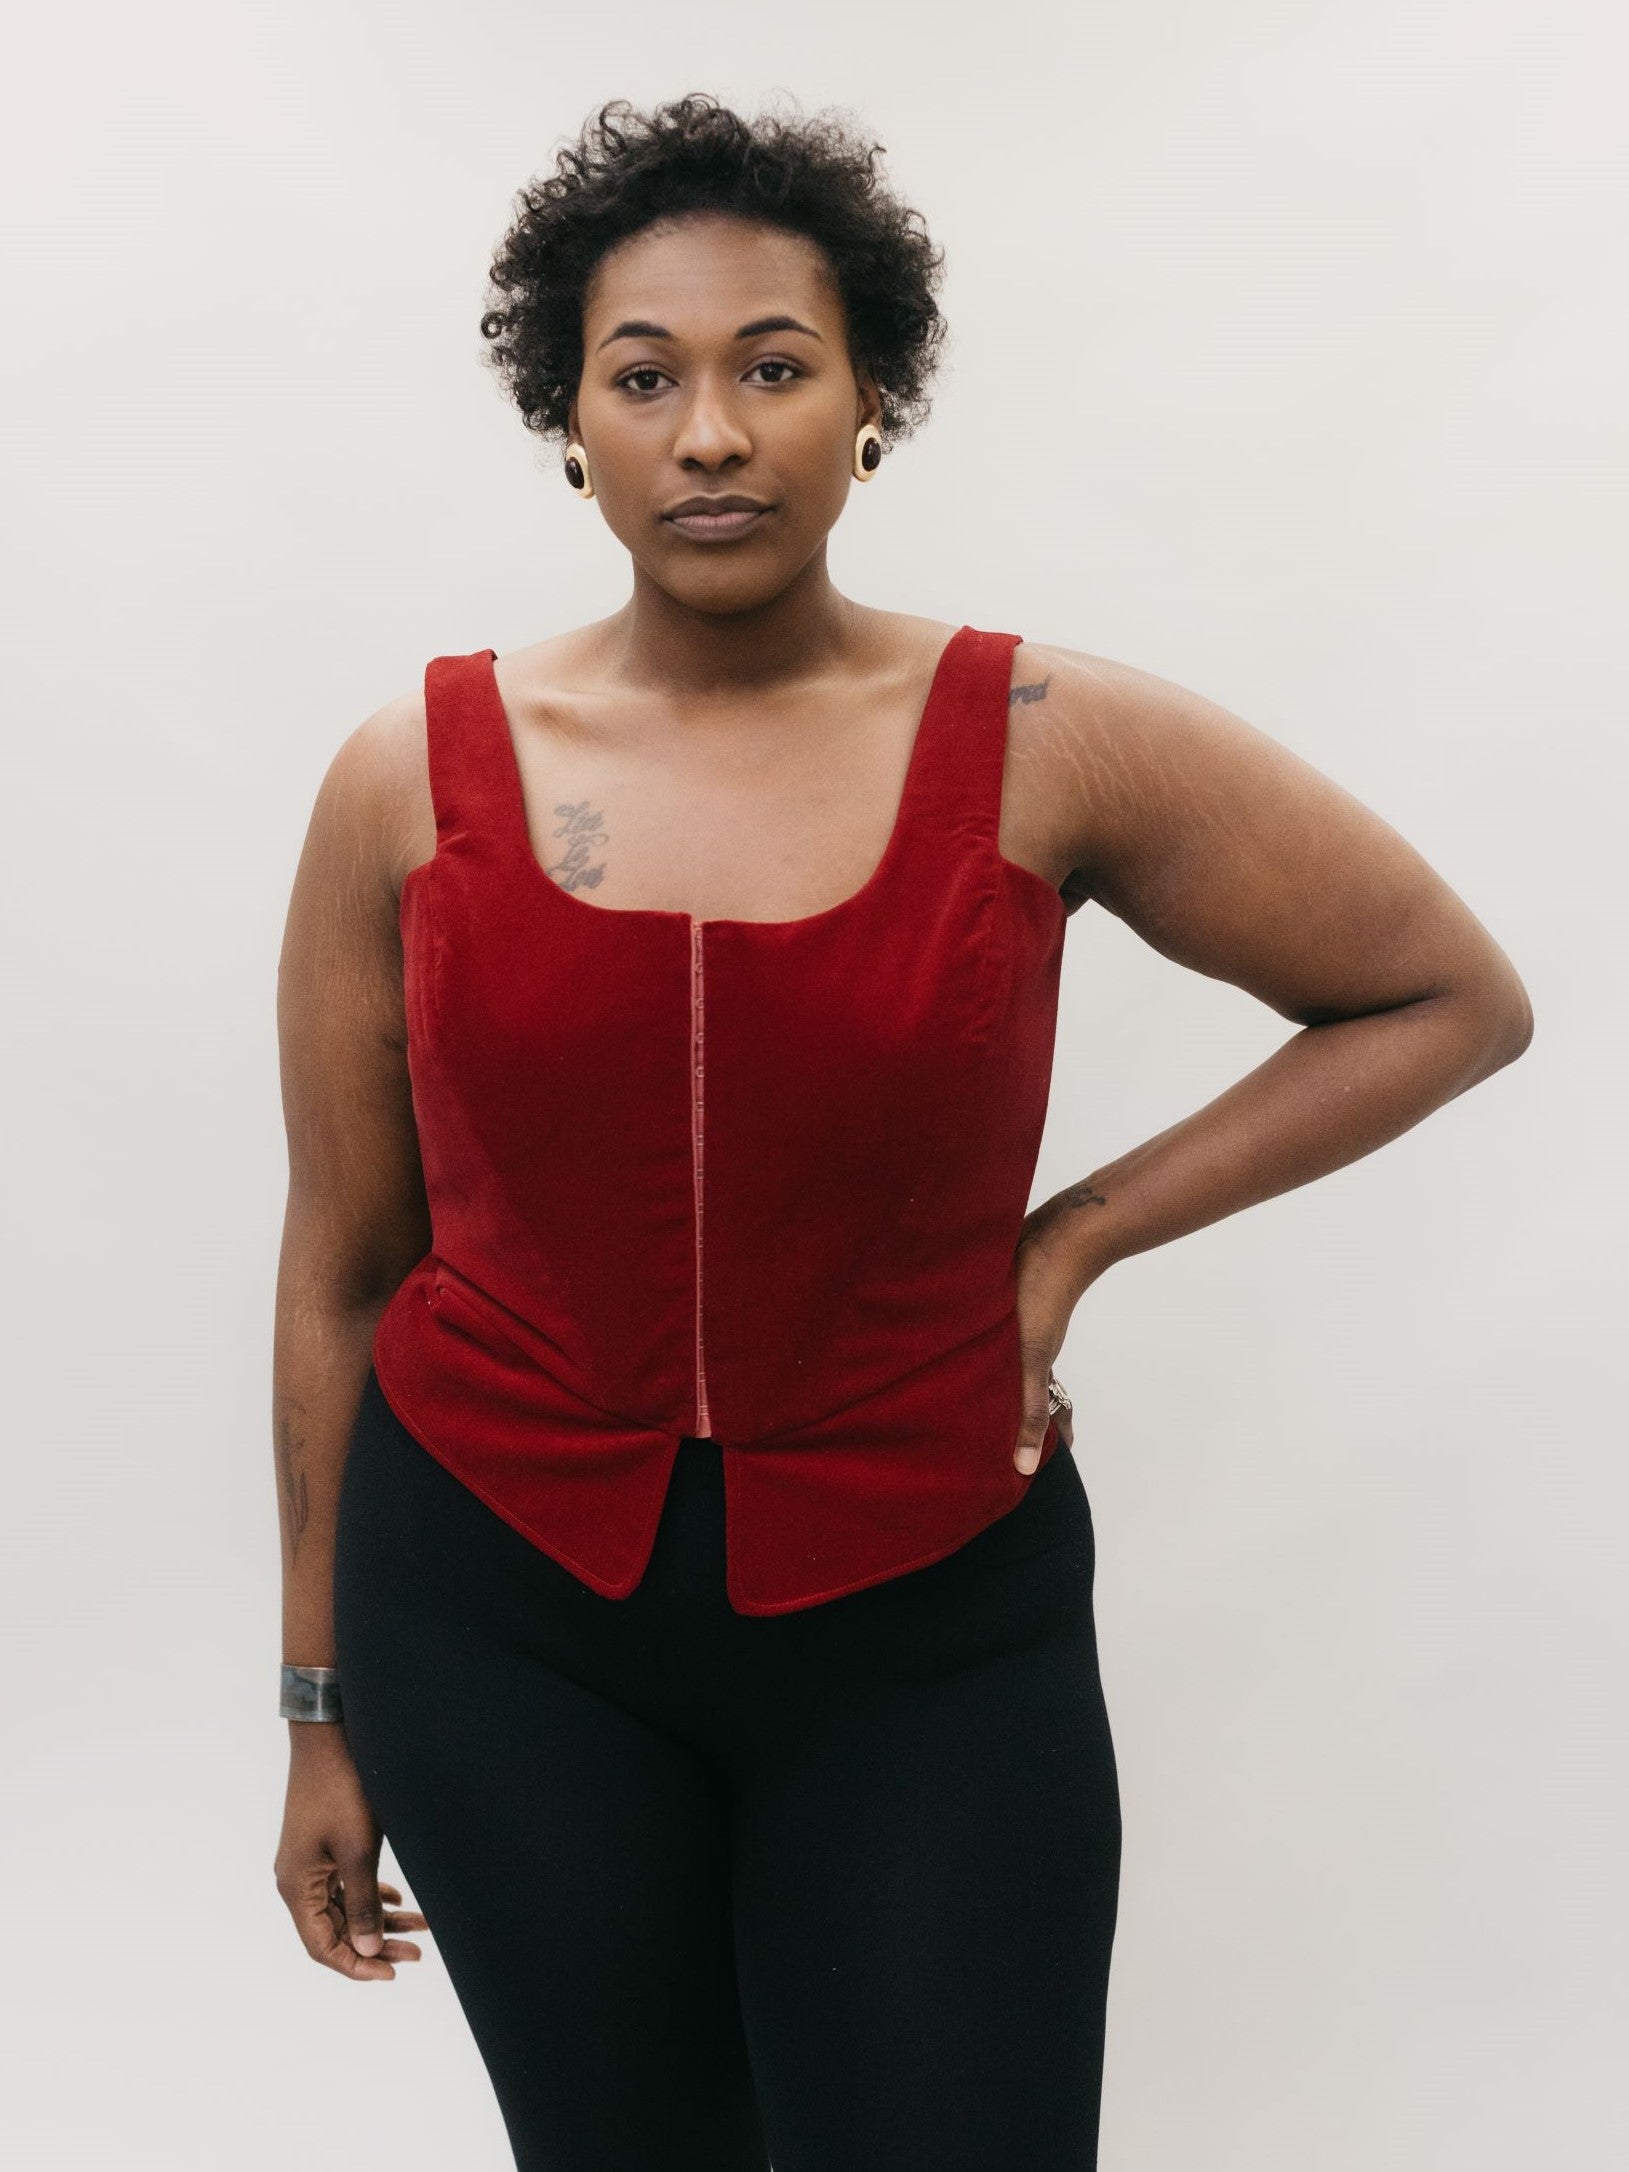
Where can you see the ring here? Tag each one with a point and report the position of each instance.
(1056, 1399)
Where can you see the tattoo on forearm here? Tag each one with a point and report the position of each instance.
(1033, 690)
(582, 828)
(291, 1484)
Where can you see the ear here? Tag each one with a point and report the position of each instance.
(868, 399)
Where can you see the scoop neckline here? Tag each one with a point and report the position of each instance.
(910, 792)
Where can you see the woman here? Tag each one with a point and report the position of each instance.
(683, 1542)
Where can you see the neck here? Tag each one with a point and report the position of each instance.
(657, 641)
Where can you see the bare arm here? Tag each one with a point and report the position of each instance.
(1231, 855)
(355, 1222)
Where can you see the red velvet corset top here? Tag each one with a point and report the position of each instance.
(760, 1181)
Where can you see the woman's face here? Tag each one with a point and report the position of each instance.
(716, 364)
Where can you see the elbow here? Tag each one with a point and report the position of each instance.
(1514, 1031)
(1504, 1021)
(1522, 1032)
(1480, 1025)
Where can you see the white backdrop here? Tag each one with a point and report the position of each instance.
(1288, 355)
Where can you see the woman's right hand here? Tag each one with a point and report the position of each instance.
(328, 1861)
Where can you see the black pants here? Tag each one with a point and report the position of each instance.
(835, 1888)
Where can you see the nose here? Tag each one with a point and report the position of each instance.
(710, 429)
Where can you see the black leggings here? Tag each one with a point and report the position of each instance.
(834, 1889)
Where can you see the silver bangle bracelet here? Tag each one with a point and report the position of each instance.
(309, 1693)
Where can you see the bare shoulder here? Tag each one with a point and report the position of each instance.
(1231, 854)
(374, 804)
(1133, 768)
(340, 967)
(1118, 726)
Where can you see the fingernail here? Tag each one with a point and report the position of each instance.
(368, 1942)
(1028, 1458)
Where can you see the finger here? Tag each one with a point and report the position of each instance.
(1032, 1431)
(363, 1910)
(319, 1918)
(398, 1918)
(341, 1955)
(330, 1944)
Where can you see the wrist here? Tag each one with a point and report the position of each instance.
(309, 1695)
(1072, 1247)
(319, 1749)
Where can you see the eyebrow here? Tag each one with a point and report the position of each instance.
(642, 328)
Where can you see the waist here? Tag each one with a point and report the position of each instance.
(868, 1485)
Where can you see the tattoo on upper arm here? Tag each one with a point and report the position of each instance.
(582, 827)
(1083, 1194)
(291, 1482)
(1031, 690)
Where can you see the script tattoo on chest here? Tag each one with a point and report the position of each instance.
(1031, 690)
(582, 829)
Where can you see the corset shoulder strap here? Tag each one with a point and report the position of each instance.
(966, 735)
(474, 778)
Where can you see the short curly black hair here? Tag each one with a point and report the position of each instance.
(811, 176)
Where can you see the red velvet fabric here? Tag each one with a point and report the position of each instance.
(761, 1180)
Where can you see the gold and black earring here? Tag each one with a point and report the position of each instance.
(577, 469)
(867, 453)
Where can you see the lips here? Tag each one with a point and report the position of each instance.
(705, 518)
